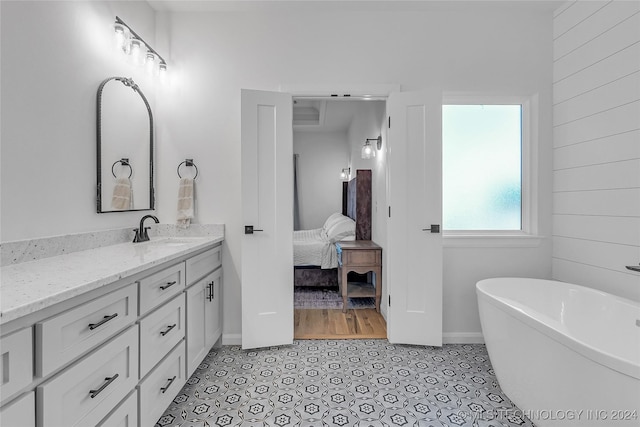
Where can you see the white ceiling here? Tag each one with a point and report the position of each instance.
(334, 115)
(344, 5)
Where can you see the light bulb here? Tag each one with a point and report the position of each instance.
(121, 36)
(151, 63)
(135, 50)
(162, 71)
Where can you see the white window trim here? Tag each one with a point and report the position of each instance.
(528, 235)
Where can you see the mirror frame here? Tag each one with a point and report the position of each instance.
(128, 82)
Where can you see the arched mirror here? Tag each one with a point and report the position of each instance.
(125, 147)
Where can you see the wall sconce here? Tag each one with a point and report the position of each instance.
(140, 52)
(367, 149)
(345, 173)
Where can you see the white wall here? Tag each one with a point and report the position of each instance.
(480, 48)
(322, 156)
(596, 116)
(369, 123)
(55, 54)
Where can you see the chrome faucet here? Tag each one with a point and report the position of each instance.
(141, 232)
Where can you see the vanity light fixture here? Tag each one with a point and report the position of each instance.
(129, 42)
(345, 173)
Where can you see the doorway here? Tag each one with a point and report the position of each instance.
(413, 260)
(328, 136)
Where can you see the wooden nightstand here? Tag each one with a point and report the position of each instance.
(360, 256)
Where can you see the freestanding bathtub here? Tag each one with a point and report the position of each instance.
(565, 354)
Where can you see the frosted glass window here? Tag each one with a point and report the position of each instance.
(482, 167)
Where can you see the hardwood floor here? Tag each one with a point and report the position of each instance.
(334, 324)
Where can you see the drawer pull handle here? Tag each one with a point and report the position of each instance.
(168, 285)
(165, 388)
(104, 320)
(163, 333)
(109, 380)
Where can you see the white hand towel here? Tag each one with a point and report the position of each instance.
(122, 195)
(185, 202)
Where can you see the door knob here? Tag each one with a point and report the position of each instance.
(435, 228)
(248, 229)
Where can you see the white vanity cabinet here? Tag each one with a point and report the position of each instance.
(203, 306)
(116, 355)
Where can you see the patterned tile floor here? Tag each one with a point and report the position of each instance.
(344, 383)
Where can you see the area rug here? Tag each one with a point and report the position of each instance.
(326, 298)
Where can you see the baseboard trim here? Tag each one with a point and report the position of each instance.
(447, 338)
(231, 339)
(462, 338)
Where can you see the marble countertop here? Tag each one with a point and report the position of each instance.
(31, 286)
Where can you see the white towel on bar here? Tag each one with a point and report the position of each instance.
(122, 195)
(185, 202)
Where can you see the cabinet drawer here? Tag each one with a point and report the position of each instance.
(21, 413)
(360, 257)
(68, 335)
(160, 332)
(160, 287)
(125, 415)
(108, 374)
(16, 358)
(205, 263)
(161, 386)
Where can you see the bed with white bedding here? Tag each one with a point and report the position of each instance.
(317, 247)
(314, 251)
(310, 249)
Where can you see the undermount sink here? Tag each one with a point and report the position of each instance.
(173, 241)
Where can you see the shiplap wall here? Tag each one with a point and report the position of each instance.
(596, 114)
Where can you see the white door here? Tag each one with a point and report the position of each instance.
(414, 252)
(267, 206)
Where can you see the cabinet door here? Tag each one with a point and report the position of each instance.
(212, 312)
(196, 297)
(20, 413)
